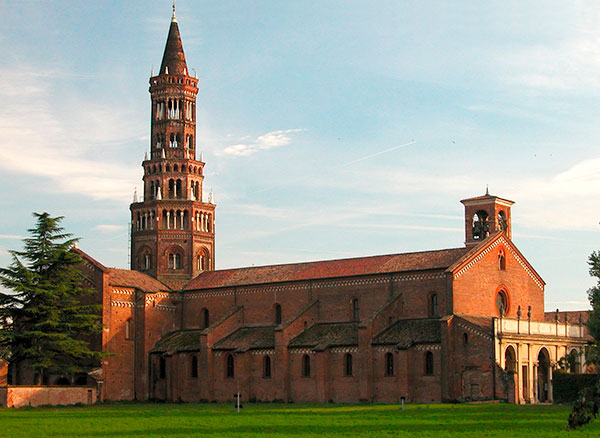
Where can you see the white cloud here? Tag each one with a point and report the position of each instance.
(241, 150)
(566, 200)
(70, 141)
(270, 140)
(571, 64)
(10, 236)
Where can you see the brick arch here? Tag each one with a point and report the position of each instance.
(141, 262)
(175, 257)
(202, 259)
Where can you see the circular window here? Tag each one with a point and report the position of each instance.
(502, 303)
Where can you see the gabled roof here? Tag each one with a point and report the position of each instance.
(407, 332)
(248, 338)
(178, 341)
(414, 261)
(478, 251)
(136, 279)
(324, 335)
(125, 277)
(90, 259)
(173, 56)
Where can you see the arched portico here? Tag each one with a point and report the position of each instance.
(543, 374)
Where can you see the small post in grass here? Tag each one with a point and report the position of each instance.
(402, 401)
(237, 396)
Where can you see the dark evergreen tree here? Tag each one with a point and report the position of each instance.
(593, 323)
(587, 405)
(44, 323)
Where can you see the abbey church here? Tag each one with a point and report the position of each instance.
(452, 324)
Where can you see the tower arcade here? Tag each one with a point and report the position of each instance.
(172, 228)
(485, 215)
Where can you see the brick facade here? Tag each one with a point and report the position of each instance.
(448, 325)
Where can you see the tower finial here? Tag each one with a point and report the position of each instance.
(174, 18)
(487, 190)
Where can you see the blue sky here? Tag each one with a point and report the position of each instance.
(297, 102)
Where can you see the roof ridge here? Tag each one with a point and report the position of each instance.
(336, 260)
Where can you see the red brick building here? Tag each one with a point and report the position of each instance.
(452, 324)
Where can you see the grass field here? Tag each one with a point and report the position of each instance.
(262, 420)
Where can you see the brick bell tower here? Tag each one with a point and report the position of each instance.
(172, 228)
(485, 215)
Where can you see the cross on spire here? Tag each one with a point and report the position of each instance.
(174, 18)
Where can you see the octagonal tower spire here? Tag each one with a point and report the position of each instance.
(172, 236)
(173, 61)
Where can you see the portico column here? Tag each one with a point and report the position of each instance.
(519, 399)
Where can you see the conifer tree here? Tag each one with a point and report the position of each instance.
(44, 324)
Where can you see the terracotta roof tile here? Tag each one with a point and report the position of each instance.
(324, 335)
(248, 338)
(179, 341)
(573, 316)
(407, 332)
(484, 322)
(414, 261)
(129, 278)
(478, 198)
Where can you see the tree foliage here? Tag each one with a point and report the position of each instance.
(44, 323)
(593, 323)
(587, 406)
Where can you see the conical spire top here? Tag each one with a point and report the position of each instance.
(173, 61)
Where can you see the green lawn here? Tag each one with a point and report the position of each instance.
(262, 420)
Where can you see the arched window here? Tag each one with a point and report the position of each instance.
(171, 189)
(129, 329)
(162, 368)
(229, 367)
(306, 365)
(465, 339)
(429, 363)
(502, 303)
(433, 305)
(389, 364)
(267, 367)
(205, 318)
(480, 225)
(194, 367)
(175, 167)
(355, 310)
(277, 309)
(348, 364)
(502, 222)
(501, 260)
(145, 259)
(175, 261)
(178, 191)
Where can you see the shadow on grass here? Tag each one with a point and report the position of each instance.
(324, 430)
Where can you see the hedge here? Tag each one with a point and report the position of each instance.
(566, 386)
